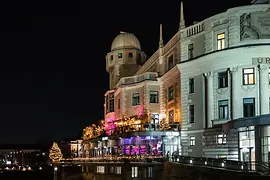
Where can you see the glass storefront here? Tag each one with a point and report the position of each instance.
(144, 145)
(247, 145)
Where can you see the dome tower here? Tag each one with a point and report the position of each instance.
(125, 57)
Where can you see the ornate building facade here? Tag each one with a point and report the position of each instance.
(205, 93)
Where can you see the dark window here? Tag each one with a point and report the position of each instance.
(191, 114)
(130, 55)
(118, 103)
(120, 55)
(223, 79)
(171, 116)
(249, 107)
(223, 109)
(170, 93)
(111, 57)
(135, 99)
(248, 76)
(191, 85)
(190, 51)
(170, 62)
(111, 103)
(153, 96)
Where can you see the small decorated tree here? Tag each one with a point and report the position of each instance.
(55, 153)
(164, 125)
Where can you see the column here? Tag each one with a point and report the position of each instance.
(264, 81)
(210, 98)
(234, 85)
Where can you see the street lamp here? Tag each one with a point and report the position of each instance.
(55, 173)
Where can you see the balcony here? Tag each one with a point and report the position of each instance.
(152, 76)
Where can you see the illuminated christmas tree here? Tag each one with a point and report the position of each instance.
(55, 153)
(164, 125)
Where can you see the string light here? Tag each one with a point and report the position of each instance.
(55, 153)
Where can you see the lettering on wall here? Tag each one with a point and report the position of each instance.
(261, 60)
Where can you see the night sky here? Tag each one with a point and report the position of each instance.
(52, 70)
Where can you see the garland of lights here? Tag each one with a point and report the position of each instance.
(164, 125)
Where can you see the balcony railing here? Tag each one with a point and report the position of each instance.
(223, 164)
(136, 79)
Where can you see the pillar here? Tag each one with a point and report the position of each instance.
(263, 80)
(234, 85)
(210, 98)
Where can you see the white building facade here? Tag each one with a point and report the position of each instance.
(225, 87)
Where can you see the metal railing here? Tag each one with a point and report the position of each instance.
(260, 167)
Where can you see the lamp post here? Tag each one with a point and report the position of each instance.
(55, 172)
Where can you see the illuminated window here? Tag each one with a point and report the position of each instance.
(100, 169)
(170, 93)
(170, 62)
(120, 55)
(222, 79)
(248, 76)
(191, 85)
(153, 96)
(111, 57)
(191, 113)
(190, 51)
(249, 107)
(192, 141)
(221, 139)
(220, 41)
(130, 55)
(135, 99)
(118, 170)
(134, 172)
(223, 109)
(171, 116)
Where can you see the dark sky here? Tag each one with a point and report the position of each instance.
(52, 60)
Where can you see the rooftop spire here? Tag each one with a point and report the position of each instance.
(160, 36)
(182, 18)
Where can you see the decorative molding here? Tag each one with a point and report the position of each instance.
(234, 70)
(262, 68)
(248, 88)
(208, 74)
(222, 91)
(246, 31)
